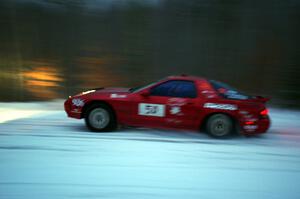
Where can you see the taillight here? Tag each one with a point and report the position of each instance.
(249, 122)
(264, 112)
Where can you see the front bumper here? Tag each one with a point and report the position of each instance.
(72, 110)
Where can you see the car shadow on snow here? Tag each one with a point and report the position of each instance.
(171, 136)
(54, 128)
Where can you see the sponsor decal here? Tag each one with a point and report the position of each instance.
(175, 110)
(248, 116)
(175, 105)
(176, 102)
(230, 107)
(209, 94)
(252, 119)
(157, 110)
(78, 102)
(114, 95)
(244, 112)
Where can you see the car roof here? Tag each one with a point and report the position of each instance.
(185, 77)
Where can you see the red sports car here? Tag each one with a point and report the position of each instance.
(181, 102)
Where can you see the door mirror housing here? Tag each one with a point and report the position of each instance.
(145, 93)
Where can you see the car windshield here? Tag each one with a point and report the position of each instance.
(227, 91)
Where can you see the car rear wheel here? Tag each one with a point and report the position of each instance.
(219, 126)
(100, 118)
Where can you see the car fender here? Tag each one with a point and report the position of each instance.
(96, 101)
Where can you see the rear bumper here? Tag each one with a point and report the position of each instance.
(71, 110)
(258, 127)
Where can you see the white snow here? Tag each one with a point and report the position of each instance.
(13, 111)
(52, 156)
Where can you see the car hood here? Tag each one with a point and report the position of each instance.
(103, 91)
(112, 90)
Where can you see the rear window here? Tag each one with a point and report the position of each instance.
(227, 91)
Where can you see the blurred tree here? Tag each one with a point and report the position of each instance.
(92, 43)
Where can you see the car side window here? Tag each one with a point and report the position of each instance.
(228, 92)
(175, 88)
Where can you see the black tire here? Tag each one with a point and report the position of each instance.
(100, 118)
(219, 126)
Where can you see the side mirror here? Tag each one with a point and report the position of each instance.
(145, 93)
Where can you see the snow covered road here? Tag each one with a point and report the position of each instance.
(48, 155)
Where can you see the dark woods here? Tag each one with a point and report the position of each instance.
(54, 48)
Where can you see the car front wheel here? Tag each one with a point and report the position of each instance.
(100, 118)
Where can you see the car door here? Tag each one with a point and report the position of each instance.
(169, 104)
(150, 106)
(182, 106)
